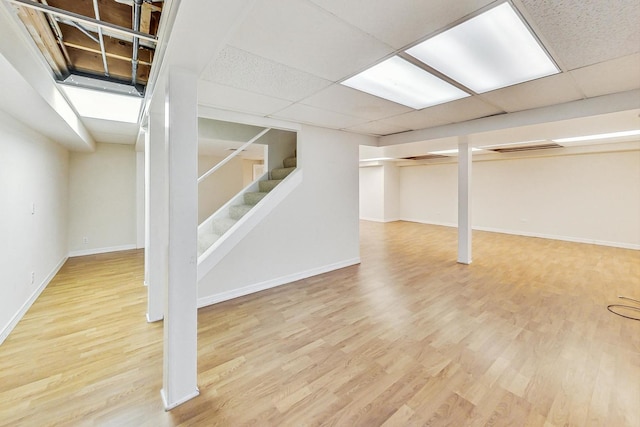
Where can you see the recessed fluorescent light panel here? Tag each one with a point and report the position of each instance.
(490, 51)
(104, 105)
(600, 136)
(400, 81)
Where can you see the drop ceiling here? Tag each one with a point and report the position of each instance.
(290, 58)
(286, 59)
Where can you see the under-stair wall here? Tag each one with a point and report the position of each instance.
(314, 230)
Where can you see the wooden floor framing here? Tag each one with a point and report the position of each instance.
(409, 337)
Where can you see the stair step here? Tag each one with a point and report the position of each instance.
(268, 185)
(205, 241)
(252, 198)
(222, 225)
(238, 211)
(281, 173)
(290, 162)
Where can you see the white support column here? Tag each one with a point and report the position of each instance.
(156, 234)
(140, 200)
(181, 296)
(464, 200)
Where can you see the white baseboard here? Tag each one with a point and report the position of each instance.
(380, 219)
(170, 406)
(539, 235)
(562, 238)
(5, 331)
(420, 221)
(268, 284)
(95, 251)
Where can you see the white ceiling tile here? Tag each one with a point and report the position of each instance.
(353, 102)
(377, 128)
(242, 70)
(451, 112)
(229, 98)
(316, 116)
(401, 22)
(617, 75)
(555, 89)
(585, 32)
(303, 36)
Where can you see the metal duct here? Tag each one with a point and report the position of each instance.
(137, 7)
(101, 38)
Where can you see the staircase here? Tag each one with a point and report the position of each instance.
(208, 235)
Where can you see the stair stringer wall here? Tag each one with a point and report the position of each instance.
(210, 258)
(314, 230)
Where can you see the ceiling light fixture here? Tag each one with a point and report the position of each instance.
(103, 105)
(397, 80)
(453, 151)
(489, 51)
(599, 136)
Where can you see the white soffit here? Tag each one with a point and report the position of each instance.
(111, 132)
(230, 98)
(489, 51)
(400, 81)
(302, 35)
(456, 111)
(318, 117)
(585, 32)
(551, 90)
(98, 104)
(354, 102)
(242, 70)
(617, 75)
(380, 18)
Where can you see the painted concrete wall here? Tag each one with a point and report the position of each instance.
(102, 205)
(587, 198)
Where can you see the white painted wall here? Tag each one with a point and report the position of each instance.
(102, 205)
(429, 194)
(33, 171)
(140, 185)
(587, 198)
(314, 230)
(379, 191)
(282, 144)
(372, 193)
(247, 170)
(391, 191)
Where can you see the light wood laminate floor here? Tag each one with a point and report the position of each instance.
(409, 337)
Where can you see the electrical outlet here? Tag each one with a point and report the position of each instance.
(33, 277)
(85, 240)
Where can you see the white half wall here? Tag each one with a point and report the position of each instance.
(591, 198)
(102, 205)
(33, 217)
(312, 231)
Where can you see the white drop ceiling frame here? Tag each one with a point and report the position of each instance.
(484, 62)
